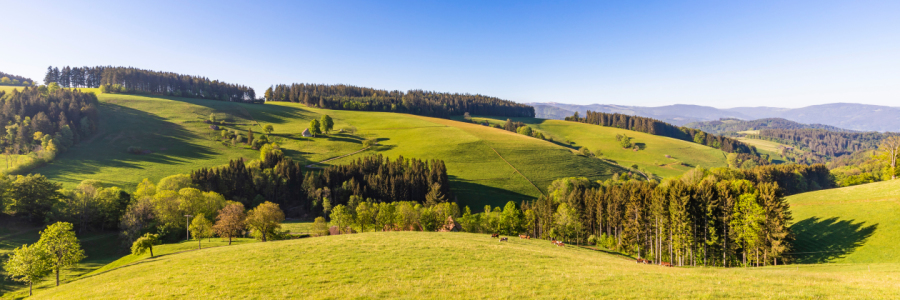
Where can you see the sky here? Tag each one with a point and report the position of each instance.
(643, 53)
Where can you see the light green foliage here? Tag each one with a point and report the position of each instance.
(315, 128)
(212, 117)
(342, 217)
(625, 142)
(28, 264)
(585, 152)
(268, 128)
(60, 243)
(385, 215)
(365, 215)
(524, 130)
(265, 219)
(268, 148)
(746, 221)
(327, 123)
(144, 243)
(174, 183)
(201, 228)
(566, 222)
(511, 219)
(320, 227)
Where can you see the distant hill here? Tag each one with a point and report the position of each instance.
(736, 125)
(853, 116)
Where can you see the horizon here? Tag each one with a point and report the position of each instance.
(722, 55)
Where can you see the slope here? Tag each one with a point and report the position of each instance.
(452, 265)
(857, 224)
(172, 129)
(682, 155)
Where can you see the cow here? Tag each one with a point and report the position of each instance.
(495, 235)
(525, 237)
(665, 264)
(504, 239)
(559, 243)
(641, 261)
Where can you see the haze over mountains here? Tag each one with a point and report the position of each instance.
(862, 117)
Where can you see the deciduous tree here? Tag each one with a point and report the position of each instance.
(28, 264)
(230, 222)
(265, 218)
(144, 244)
(60, 243)
(201, 228)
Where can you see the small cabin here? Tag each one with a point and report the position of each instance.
(306, 133)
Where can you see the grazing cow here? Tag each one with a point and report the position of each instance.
(647, 261)
(665, 264)
(504, 239)
(559, 243)
(640, 261)
(523, 236)
(495, 235)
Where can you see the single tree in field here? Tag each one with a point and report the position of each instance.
(315, 128)
(212, 117)
(201, 228)
(524, 130)
(891, 148)
(28, 264)
(585, 151)
(268, 128)
(145, 243)
(230, 221)
(249, 136)
(265, 218)
(60, 243)
(327, 124)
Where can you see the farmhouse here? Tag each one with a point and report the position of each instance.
(306, 133)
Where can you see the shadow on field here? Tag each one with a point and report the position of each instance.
(476, 195)
(274, 114)
(823, 240)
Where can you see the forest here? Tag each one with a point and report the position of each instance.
(418, 102)
(15, 80)
(129, 80)
(824, 142)
(46, 120)
(730, 126)
(657, 127)
(281, 181)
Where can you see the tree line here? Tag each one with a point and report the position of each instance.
(282, 181)
(657, 127)
(825, 142)
(46, 120)
(731, 126)
(419, 102)
(129, 80)
(10, 79)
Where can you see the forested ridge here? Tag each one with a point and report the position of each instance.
(129, 80)
(730, 126)
(10, 79)
(282, 181)
(824, 142)
(419, 102)
(657, 127)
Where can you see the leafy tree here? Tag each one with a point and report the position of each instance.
(327, 123)
(365, 215)
(212, 117)
(585, 151)
(524, 130)
(435, 195)
(265, 219)
(60, 243)
(268, 128)
(28, 264)
(625, 142)
(320, 227)
(342, 216)
(315, 127)
(385, 215)
(144, 244)
(231, 221)
(201, 228)
(510, 219)
(33, 195)
(249, 136)
(138, 219)
(891, 148)
(746, 221)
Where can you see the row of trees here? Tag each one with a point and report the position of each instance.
(139, 81)
(46, 118)
(825, 142)
(10, 79)
(657, 127)
(57, 249)
(731, 126)
(88, 206)
(75, 77)
(417, 102)
(282, 181)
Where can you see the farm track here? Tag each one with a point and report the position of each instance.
(517, 171)
(312, 165)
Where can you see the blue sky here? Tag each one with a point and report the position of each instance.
(716, 53)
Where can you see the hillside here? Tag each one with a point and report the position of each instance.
(451, 265)
(857, 224)
(683, 155)
(735, 125)
(482, 162)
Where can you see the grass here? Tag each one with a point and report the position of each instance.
(455, 265)
(173, 129)
(857, 224)
(683, 155)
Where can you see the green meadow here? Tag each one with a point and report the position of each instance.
(417, 265)
(682, 155)
(857, 224)
(486, 165)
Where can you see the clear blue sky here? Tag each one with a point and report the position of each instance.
(717, 53)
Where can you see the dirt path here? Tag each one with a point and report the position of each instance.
(334, 158)
(517, 171)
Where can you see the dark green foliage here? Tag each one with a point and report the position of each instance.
(416, 102)
(67, 116)
(729, 125)
(89, 77)
(656, 127)
(277, 179)
(824, 144)
(15, 80)
(32, 196)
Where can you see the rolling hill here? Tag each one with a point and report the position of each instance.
(486, 165)
(452, 265)
(682, 155)
(857, 224)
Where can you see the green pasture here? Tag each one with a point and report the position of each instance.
(172, 129)
(857, 224)
(428, 265)
(683, 155)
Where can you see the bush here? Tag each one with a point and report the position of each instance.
(370, 142)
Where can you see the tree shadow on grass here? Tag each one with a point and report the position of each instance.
(824, 240)
(476, 195)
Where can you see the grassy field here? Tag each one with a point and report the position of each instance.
(858, 224)
(173, 129)
(455, 265)
(683, 155)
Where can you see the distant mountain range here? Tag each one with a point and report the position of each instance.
(861, 117)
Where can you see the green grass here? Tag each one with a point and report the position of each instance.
(295, 226)
(857, 224)
(684, 155)
(455, 265)
(173, 129)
